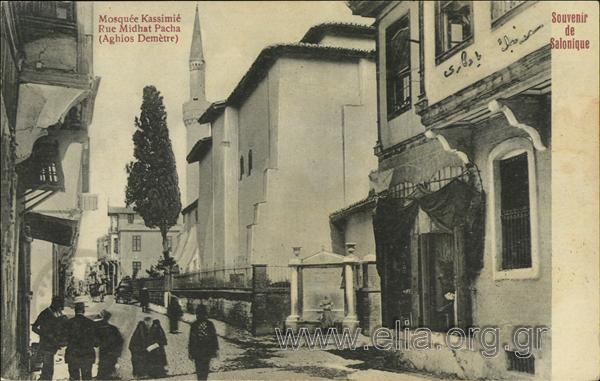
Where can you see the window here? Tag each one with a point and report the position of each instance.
(241, 167)
(397, 42)
(43, 170)
(501, 10)
(195, 215)
(249, 162)
(130, 218)
(116, 246)
(513, 210)
(136, 244)
(49, 174)
(454, 27)
(519, 363)
(136, 266)
(169, 242)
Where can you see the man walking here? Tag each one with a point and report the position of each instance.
(48, 327)
(174, 312)
(110, 344)
(82, 338)
(203, 344)
(144, 299)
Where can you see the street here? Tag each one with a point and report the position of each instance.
(241, 356)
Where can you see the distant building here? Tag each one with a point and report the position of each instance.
(292, 142)
(136, 246)
(462, 194)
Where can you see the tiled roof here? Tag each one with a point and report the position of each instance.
(316, 33)
(359, 206)
(268, 56)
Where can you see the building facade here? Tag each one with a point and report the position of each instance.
(136, 246)
(461, 198)
(287, 145)
(47, 100)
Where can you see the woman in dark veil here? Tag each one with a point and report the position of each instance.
(157, 357)
(140, 340)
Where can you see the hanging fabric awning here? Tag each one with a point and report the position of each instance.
(57, 230)
(457, 204)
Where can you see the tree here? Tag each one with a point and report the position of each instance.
(162, 266)
(152, 183)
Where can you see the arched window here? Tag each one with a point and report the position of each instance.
(249, 162)
(241, 167)
(513, 210)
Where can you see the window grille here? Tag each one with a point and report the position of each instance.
(520, 364)
(514, 213)
(439, 180)
(402, 190)
(88, 202)
(43, 170)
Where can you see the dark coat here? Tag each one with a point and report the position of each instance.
(157, 357)
(203, 342)
(144, 297)
(137, 345)
(110, 341)
(51, 330)
(174, 310)
(81, 340)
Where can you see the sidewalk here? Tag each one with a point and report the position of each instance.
(246, 357)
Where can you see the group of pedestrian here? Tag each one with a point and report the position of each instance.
(82, 335)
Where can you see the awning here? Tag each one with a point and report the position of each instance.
(61, 231)
(456, 204)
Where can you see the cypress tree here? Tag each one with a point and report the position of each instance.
(152, 183)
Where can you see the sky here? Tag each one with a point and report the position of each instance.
(233, 34)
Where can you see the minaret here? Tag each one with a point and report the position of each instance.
(194, 108)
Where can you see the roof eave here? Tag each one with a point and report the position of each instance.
(212, 112)
(193, 205)
(199, 150)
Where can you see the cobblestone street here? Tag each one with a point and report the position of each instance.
(242, 356)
